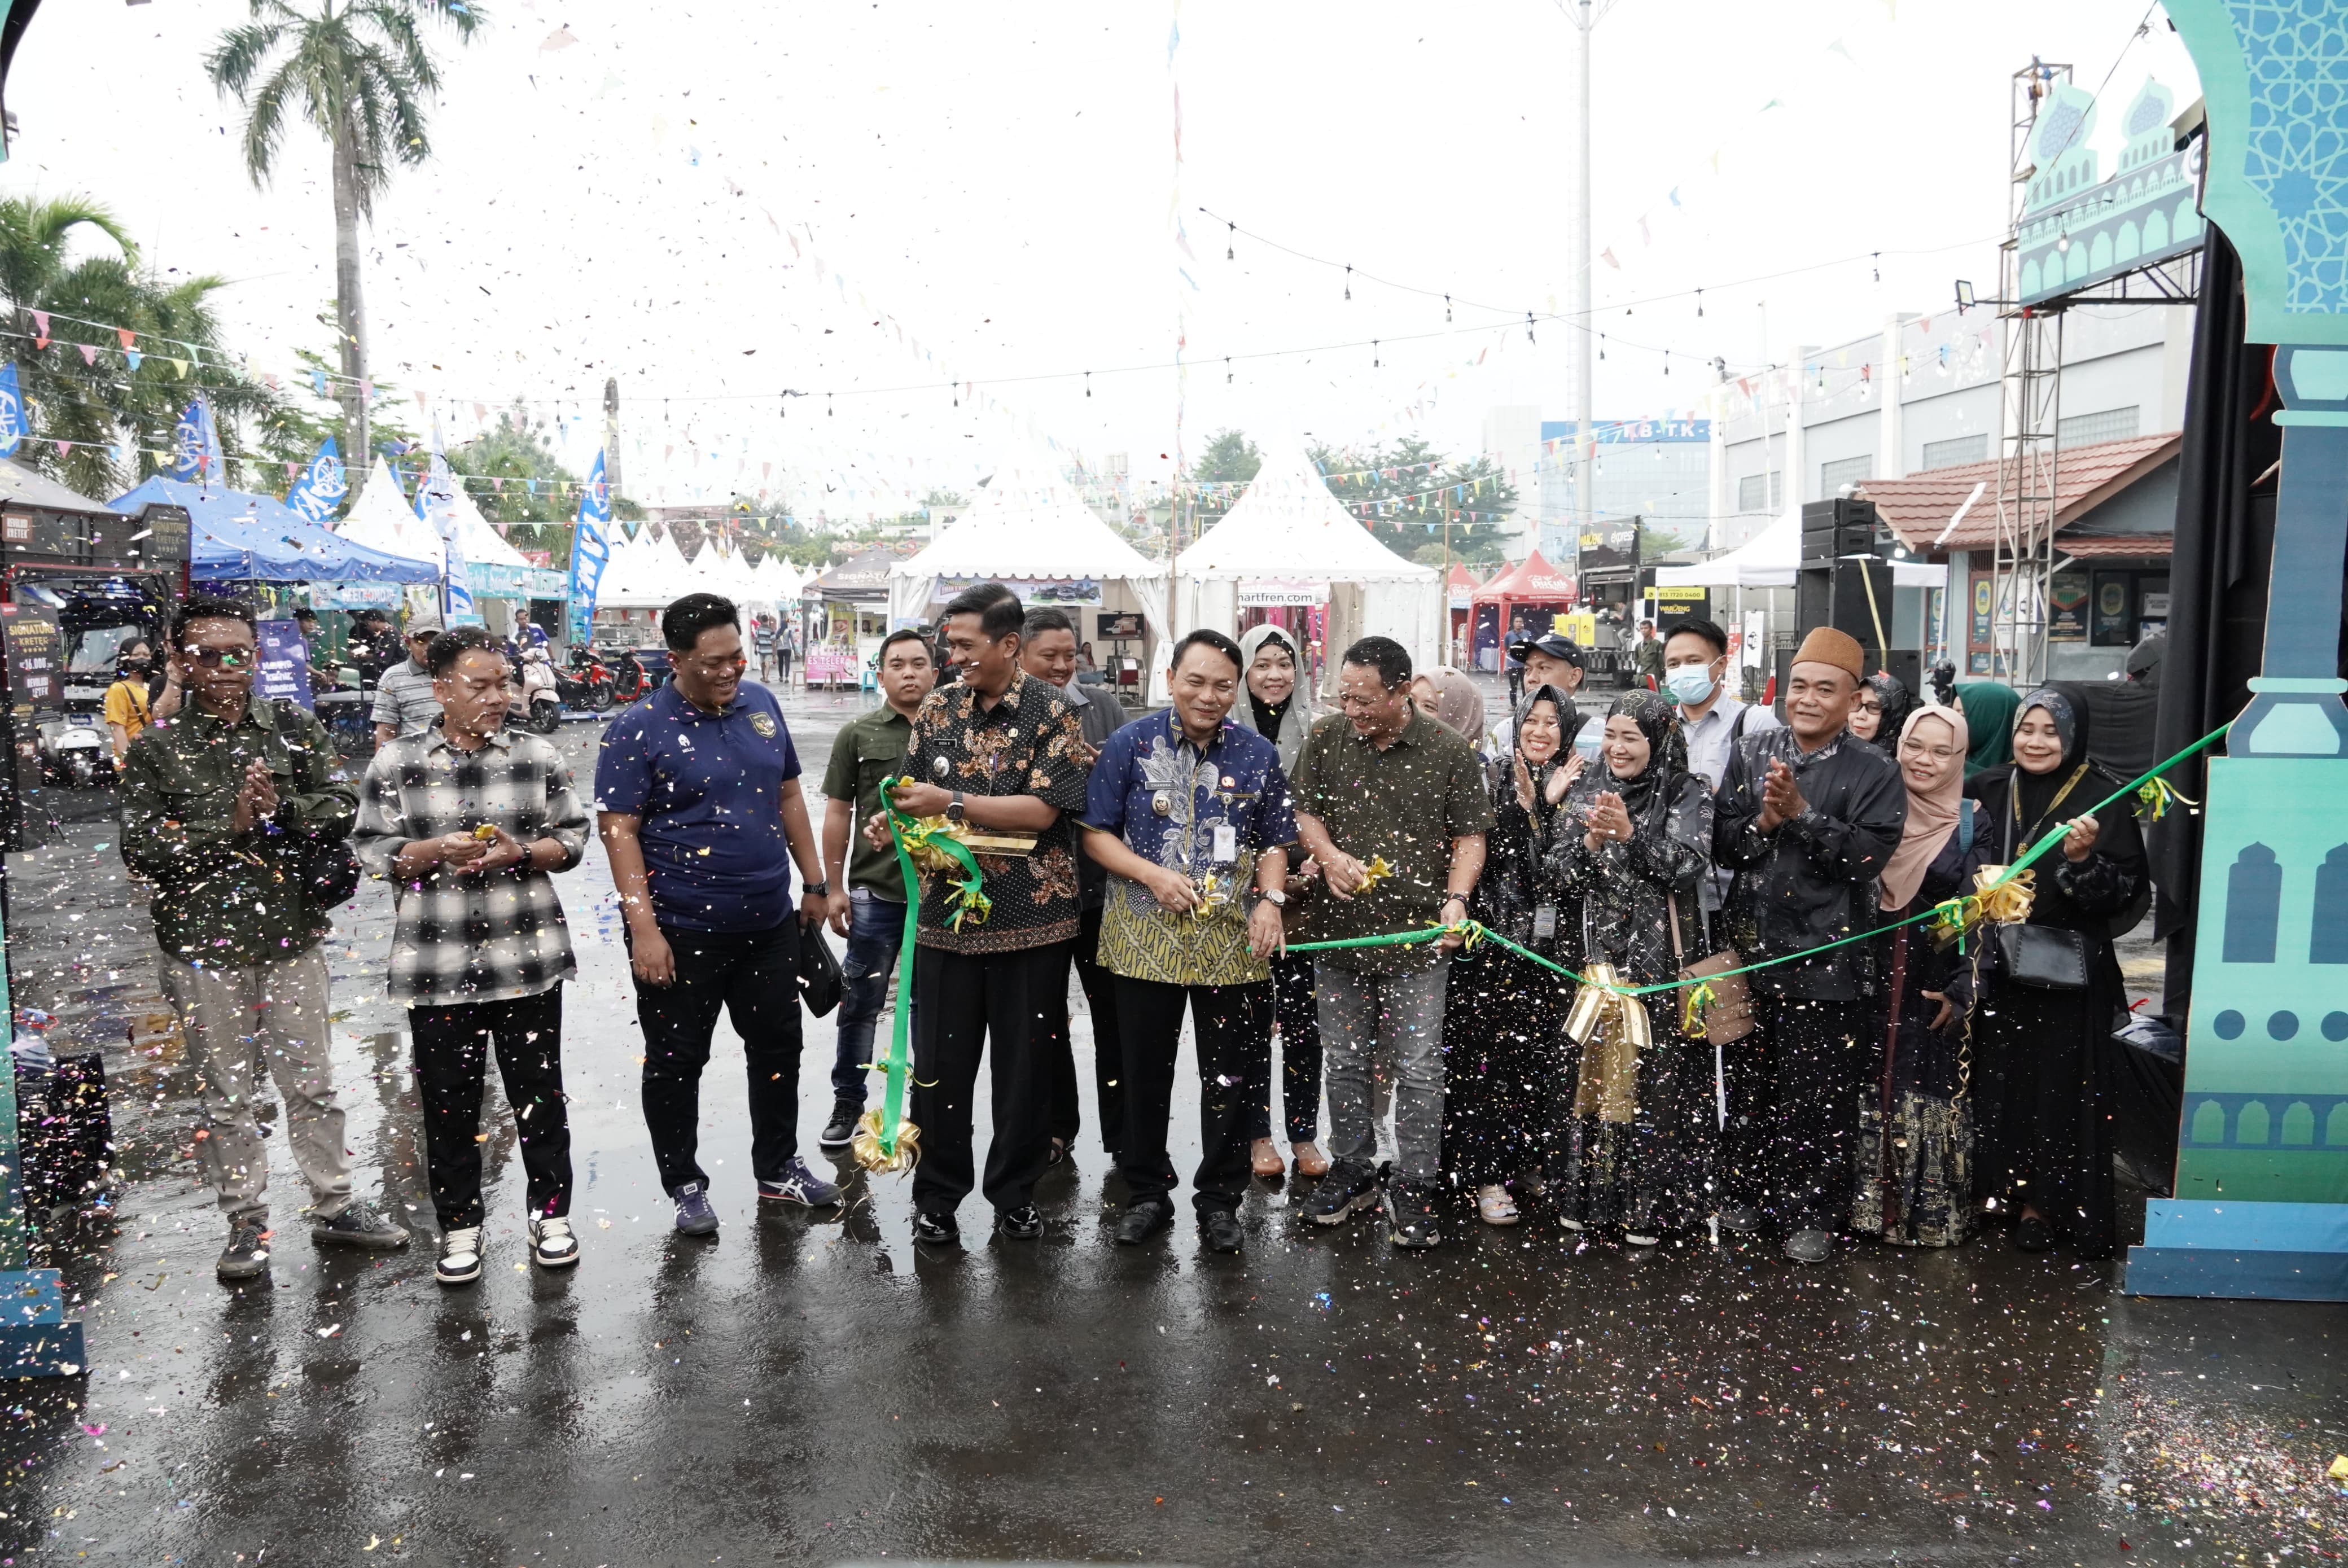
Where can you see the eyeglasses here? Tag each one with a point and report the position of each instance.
(715, 666)
(221, 658)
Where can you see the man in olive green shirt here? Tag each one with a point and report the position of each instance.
(220, 808)
(1382, 782)
(867, 904)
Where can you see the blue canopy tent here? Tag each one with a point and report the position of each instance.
(238, 536)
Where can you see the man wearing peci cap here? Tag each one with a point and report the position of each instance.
(1553, 659)
(1807, 817)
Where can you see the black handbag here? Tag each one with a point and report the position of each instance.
(2044, 957)
(819, 978)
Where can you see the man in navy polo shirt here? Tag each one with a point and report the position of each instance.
(698, 799)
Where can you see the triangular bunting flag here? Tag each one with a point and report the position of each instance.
(89, 352)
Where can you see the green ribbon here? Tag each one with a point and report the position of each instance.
(1475, 929)
(968, 901)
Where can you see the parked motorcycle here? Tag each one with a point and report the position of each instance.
(536, 705)
(585, 683)
(628, 681)
(76, 751)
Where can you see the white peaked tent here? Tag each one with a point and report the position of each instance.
(1029, 526)
(1288, 532)
(382, 520)
(645, 574)
(1769, 558)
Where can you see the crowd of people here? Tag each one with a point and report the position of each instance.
(1641, 970)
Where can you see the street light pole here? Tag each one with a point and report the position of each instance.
(1581, 331)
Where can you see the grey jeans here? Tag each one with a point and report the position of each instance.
(240, 1023)
(1396, 1018)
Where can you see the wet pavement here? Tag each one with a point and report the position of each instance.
(808, 1388)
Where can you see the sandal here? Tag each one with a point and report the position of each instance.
(1263, 1156)
(1309, 1161)
(1494, 1205)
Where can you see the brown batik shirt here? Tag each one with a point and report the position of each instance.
(1030, 743)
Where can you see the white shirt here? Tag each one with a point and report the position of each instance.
(1707, 738)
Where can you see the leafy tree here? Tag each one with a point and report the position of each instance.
(360, 74)
(1407, 495)
(1228, 462)
(103, 405)
(302, 418)
(515, 479)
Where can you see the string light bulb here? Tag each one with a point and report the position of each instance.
(1349, 280)
(1529, 329)
(1229, 253)
(1088, 382)
(1446, 307)
(1374, 354)
(1879, 266)
(1699, 302)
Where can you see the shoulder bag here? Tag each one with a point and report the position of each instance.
(1729, 1018)
(2042, 957)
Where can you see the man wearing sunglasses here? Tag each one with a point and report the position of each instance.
(219, 810)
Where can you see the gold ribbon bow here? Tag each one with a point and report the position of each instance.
(1376, 871)
(1214, 892)
(1612, 1030)
(1996, 898)
(865, 1145)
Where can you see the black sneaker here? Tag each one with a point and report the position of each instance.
(1143, 1217)
(357, 1226)
(246, 1256)
(1350, 1187)
(1410, 1211)
(1810, 1246)
(1220, 1229)
(1024, 1224)
(841, 1130)
(936, 1230)
(1740, 1219)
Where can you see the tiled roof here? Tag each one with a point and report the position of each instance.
(2099, 546)
(1920, 506)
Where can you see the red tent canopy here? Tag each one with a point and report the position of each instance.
(1461, 578)
(1531, 580)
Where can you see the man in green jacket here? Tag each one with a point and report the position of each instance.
(219, 810)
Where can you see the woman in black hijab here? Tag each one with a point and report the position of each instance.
(2042, 1089)
(1635, 1129)
(1881, 713)
(1504, 1013)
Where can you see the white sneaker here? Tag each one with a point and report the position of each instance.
(1494, 1206)
(552, 1244)
(460, 1256)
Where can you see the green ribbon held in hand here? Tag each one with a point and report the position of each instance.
(884, 1139)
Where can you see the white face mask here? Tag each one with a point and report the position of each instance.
(1691, 684)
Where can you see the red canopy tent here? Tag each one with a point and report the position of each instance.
(1531, 582)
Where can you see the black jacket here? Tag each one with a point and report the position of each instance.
(1813, 879)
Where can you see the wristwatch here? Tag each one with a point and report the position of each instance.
(818, 888)
(1278, 896)
(955, 810)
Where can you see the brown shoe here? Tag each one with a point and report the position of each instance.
(1309, 1161)
(1265, 1155)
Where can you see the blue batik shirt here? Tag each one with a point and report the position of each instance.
(1207, 815)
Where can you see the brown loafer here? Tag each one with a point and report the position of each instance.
(1265, 1155)
(1309, 1161)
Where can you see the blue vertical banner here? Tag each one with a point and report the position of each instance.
(13, 425)
(436, 503)
(590, 550)
(196, 456)
(320, 490)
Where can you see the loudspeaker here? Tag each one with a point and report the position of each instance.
(1834, 529)
(1853, 596)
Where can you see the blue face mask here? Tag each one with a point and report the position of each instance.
(1691, 684)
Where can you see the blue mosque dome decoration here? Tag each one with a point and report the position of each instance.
(2078, 229)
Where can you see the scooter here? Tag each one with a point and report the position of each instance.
(629, 682)
(585, 683)
(536, 705)
(76, 751)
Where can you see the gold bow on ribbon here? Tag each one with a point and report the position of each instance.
(1214, 892)
(1999, 899)
(1612, 1030)
(1376, 871)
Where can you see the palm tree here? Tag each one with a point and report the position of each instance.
(96, 405)
(358, 71)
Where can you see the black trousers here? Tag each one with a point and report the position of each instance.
(1108, 1057)
(752, 976)
(1231, 1024)
(1802, 1135)
(452, 1056)
(1009, 1007)
(1298, 1015)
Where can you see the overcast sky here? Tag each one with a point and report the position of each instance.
(615, 188)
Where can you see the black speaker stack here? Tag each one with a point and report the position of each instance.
(1843, 580)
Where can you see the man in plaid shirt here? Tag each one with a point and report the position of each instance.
(468, 821)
